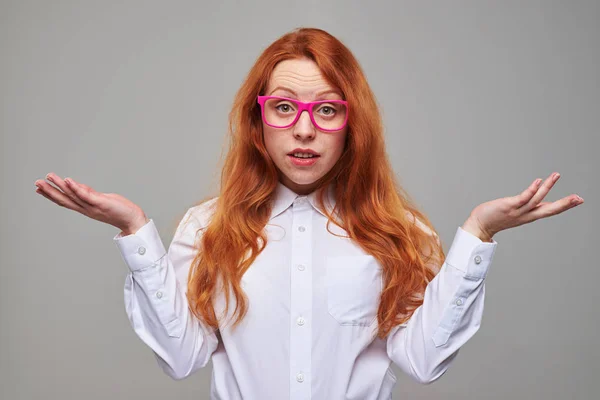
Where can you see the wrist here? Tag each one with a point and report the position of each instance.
(475, 229)
(134, 227)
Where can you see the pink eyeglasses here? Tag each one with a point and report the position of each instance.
(282, 112)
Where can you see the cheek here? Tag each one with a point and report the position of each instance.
(337, 143)
(270, 139)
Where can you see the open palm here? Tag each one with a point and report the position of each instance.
(494, 216)
(110, 208)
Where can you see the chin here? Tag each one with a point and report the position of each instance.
(300, 178)
(304, 182)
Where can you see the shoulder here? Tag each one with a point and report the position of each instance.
(420, 224)
(202, 213)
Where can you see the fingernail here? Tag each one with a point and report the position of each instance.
(537, 182)
(68, 181)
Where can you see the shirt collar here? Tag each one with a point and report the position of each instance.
(284, 197)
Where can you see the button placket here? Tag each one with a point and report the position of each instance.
(152, 282)
(452, 314)
(301, 299)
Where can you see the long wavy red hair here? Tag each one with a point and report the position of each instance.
(377, 214)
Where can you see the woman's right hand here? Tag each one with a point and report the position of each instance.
(109, 208)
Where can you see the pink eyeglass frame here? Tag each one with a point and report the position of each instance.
(301, 107)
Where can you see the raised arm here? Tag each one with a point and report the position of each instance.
(452, 309)
(155, 287)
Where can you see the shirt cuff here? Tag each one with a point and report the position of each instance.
(142, 248)
(470, 254)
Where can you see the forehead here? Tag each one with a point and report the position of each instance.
(301, 76)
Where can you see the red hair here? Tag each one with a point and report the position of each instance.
(376, 212)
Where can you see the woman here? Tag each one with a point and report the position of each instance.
(332, 273)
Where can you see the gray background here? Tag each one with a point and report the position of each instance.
(479, 99)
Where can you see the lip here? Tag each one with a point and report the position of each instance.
(302, 162)
(309, 151)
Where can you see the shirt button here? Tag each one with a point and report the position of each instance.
(141, 250)
(159, 294)
(300, 321)
(301, 267)
(459, 302)
(477, 259)
(301, 229)
(300, 377)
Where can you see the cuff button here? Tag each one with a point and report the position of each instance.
(141, 250)
(477, 259)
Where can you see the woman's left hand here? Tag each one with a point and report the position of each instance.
(491, 217)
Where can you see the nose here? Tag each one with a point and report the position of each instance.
(304, 127)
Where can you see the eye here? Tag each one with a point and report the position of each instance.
(284, 107)
(327, 110)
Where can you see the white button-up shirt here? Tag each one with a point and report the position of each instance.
(310, 328)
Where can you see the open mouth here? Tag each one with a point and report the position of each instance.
(302, 161)
(303, 157)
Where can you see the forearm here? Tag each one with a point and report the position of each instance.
(450, 315)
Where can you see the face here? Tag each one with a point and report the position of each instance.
(301, 79)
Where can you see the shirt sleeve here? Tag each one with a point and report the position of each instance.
(155, 300)
(451, 313)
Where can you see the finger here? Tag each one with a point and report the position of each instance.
(547, 209)
(83, 185)
(58, 181)
(40, 191)
(541, 192)
(58, 197)
(89, 195)
(526, 195)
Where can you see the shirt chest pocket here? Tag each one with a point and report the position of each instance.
(354, 285)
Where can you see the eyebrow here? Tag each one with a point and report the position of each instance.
(324, 92)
